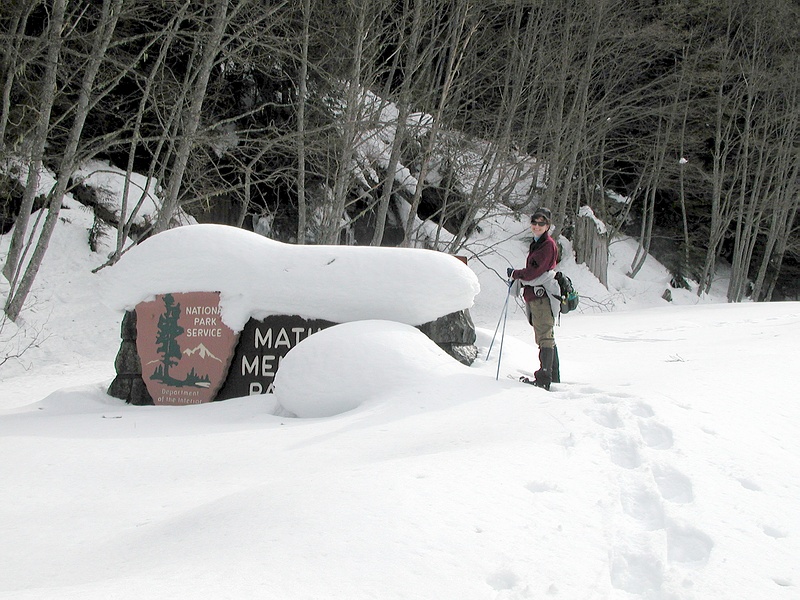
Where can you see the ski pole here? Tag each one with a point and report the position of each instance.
(502, 337)
(503, 313)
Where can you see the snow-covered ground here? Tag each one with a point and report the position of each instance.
(666, 466)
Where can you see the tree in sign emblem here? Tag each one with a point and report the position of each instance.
(170, 350)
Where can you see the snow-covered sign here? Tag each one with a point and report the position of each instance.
(200, 289)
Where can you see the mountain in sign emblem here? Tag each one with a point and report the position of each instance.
(201, 351)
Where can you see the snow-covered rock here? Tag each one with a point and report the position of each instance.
(258, 277)
(342, 367)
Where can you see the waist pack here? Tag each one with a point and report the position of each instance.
(569, 297)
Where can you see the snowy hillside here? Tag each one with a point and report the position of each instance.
(662, 468)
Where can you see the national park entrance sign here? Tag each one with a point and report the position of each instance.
(176, 347)
(176, 350)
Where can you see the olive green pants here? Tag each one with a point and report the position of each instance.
(542, 321)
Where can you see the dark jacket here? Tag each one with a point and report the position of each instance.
(542, 256)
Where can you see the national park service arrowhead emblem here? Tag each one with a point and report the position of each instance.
(184, 347)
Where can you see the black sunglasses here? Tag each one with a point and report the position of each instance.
(539, 223)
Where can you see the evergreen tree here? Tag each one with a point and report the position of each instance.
(167, 338)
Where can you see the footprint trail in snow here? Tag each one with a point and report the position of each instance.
(651, 552)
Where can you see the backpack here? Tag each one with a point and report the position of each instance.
(569, 297)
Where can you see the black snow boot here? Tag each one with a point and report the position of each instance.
(544, 376)
(555, 370)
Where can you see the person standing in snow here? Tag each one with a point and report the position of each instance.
(541, 293)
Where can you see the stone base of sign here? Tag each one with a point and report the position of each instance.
(128, 385)
(131, 389)
(455, 328)
(454, 333)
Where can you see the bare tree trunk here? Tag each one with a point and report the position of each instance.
(12, 55)
(662, 146)
(725, 162)
(458, 40)
(335, 215)
(492, 181)
(744, 225)
(103, 33)
(47, 97)
(126, 220)
(769, 150)
(783, 206)
(578, 116)
(191, 122)
(301, 126)
(720, 198)
(646, 232)
(410, 66)
(682, 197)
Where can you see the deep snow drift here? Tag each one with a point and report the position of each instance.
(317, 379)
(665, 467)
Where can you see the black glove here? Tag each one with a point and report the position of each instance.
(509, 271)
